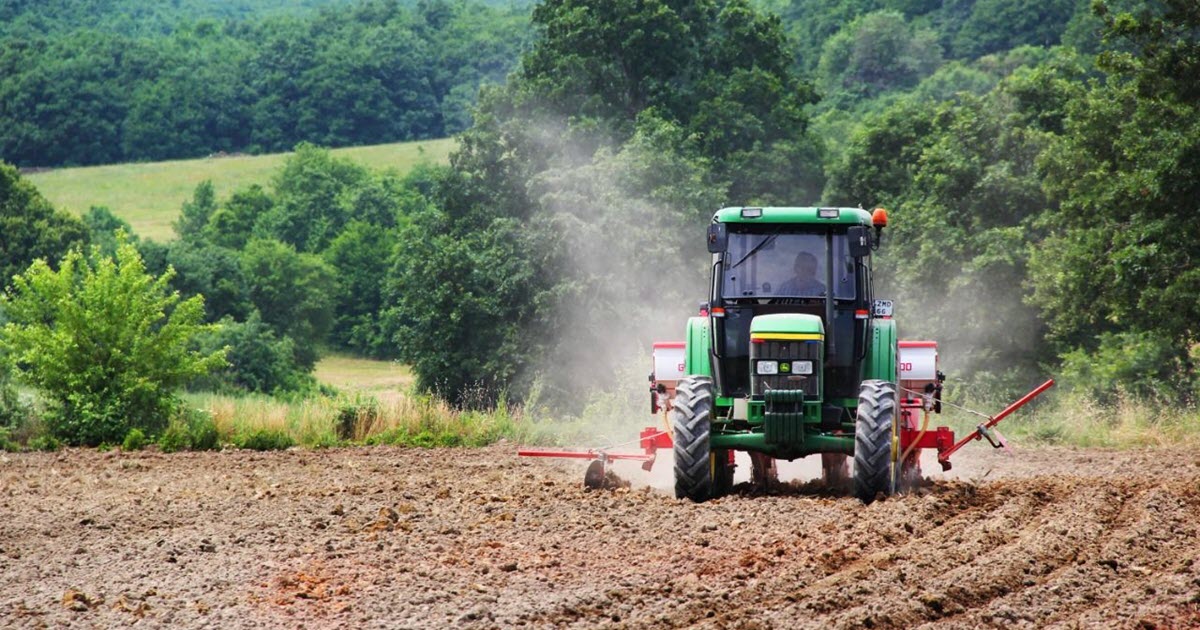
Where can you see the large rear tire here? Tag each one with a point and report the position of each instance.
(691, 422)
(873, 439)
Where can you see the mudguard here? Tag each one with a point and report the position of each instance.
(699, 348)
(882, 351)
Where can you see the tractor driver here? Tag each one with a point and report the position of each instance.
(805, 282)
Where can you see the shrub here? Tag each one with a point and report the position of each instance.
(191, 431)
(135, 440)
(107, 342)
(14, 413)
(259, 360)
(264, 440)
(6, 443)
(175, 438)
(1142, 365)
(359, 412)
(203, 432)
(46, 443)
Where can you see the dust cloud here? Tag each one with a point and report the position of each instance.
(632, 267)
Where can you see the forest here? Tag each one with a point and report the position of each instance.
(1039, 160)
(103, 82)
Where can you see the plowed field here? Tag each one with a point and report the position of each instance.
(383, 537)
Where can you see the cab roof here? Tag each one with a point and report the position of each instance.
(756, 214)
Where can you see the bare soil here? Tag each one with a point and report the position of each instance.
(387, 537)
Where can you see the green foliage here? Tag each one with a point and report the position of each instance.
(212, 271)
(355, 413)
(204, 434)
(103, 227)
(877, 53)
(999, 25)
(1137, 364)
(196, 213)
(1116, 264)
(232, 224)
(175, 438)
(308, 213)
(7, 445)
(264, 440)
(104, 89)
(190, 431)
(14, 412)
(362, 256)
(135, 440)
(465, 330)
(965, 200)
(45, 443)
(259, 360)
(30, 228)
(293, 293)
(106, 342)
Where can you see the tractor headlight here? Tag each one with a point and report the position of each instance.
(768, 367)
(802, 367)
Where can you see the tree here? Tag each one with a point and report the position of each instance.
(1117, 266)
(259, 360)
(212, 271)
(361, 255)
(998, 25)
(194, 216)
(107, 342)
(232, 223)
(30, 228)
(966, 200)
(308, 210)
(293, 293)
(876, 53)
(461, 308)
(103, 227)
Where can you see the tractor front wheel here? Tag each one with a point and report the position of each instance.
(691, 421)
(873, 439)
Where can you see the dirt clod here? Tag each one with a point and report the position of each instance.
(76, 601)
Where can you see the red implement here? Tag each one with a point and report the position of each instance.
(650, 439)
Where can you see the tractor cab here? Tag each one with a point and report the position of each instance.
(782, 272)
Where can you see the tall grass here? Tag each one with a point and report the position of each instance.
(411, 420)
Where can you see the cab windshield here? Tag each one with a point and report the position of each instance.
(784, 265)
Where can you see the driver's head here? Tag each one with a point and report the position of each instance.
(806, 265)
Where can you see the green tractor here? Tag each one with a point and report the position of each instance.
(792, 356)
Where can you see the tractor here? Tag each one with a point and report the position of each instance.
(792, 355)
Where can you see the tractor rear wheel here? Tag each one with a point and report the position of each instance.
(691, 421)
(873, 439)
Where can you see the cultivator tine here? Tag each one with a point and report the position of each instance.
(994, 437)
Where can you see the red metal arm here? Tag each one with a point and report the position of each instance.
(944, 456)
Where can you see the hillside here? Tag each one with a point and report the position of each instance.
(149, 195)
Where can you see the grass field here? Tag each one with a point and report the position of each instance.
(149, 195)
(370, 376)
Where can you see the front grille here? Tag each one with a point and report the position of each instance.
(786, 350)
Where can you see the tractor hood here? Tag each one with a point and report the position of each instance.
(787, 324)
